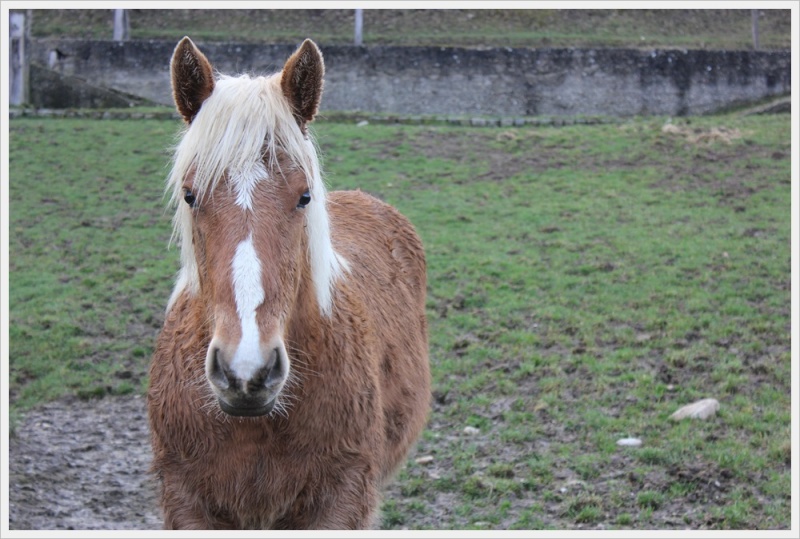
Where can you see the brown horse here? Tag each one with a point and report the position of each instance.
(291, 376)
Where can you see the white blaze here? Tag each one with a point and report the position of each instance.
(249, 294)
(245, 182)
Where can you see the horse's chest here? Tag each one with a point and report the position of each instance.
(253, 466)
(251, 478)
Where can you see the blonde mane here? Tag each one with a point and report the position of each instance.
(241, 121)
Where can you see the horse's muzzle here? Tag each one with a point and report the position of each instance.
(254, 395)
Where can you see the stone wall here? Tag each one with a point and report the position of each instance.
(441, 80)
(55, 91)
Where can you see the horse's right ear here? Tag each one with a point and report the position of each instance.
(192, 79)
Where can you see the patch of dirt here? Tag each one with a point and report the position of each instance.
(472, 149)
(82, 465)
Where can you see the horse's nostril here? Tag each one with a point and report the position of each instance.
(271, 372)
(278, 366)
(218, 374)
(274, 356)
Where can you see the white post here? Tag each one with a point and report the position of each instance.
(359, 26)
(122, 25)
(18, 65)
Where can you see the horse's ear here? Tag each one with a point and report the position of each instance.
(192, 78)
(301, 81)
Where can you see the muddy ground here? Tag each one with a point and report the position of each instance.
(82, 465)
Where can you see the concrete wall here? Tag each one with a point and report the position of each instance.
(440, 80)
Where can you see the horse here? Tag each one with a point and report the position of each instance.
(290, 378)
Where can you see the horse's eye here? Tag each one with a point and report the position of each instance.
(304, 200)
(188, 196)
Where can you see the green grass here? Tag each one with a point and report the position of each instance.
(636, 28)
(584, 282)
(89, 267)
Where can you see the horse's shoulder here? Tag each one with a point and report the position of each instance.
(357, 209)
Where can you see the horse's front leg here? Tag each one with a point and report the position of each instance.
(341, 501)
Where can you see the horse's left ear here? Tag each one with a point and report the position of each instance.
(192, 79)
(301, 81)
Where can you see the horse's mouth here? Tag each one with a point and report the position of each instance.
(246, 411)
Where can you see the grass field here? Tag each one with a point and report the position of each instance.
(637, 28)
(584, 283)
